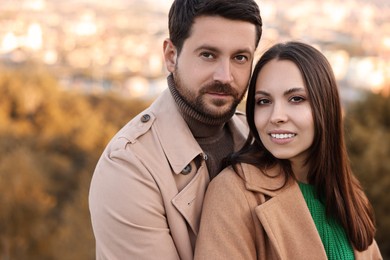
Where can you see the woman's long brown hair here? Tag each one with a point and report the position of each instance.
(329, 167)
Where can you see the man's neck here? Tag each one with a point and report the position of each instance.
(200, 125)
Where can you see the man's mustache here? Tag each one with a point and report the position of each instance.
(219, 88)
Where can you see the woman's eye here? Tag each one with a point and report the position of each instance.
(262, 101)
(297, 99)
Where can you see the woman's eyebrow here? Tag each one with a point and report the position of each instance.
(293, 90)
(262, 92)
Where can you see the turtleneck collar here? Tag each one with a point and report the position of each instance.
(201, 125)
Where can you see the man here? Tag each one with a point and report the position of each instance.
(147, 190)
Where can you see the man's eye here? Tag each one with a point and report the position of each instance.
(207, 55)
(241, 58)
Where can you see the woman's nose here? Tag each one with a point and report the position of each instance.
(279, 114)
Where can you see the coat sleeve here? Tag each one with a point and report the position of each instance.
(371, 253)
(127, 210)
(227, 228)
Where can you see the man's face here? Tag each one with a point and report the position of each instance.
(213, 69)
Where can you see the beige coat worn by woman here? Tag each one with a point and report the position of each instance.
(242, 219)
(147, 191)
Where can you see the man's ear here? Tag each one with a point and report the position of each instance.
(170, 55)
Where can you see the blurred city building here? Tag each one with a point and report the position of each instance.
(116, 45)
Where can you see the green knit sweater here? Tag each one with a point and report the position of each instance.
(333, 236)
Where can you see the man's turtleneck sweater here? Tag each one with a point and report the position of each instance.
(212, 134)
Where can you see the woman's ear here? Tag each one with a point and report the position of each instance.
(170, 55)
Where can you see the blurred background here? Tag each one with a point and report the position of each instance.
(73, 72)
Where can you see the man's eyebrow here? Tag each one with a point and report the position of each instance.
(245, 50)
(208, 48)
(216, 50)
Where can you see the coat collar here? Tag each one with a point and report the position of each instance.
(180, 148)
(268, 183)
(286, 218)
(289, 225)
(284, 214)
(175, 136)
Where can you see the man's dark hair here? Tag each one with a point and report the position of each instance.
(183, 13)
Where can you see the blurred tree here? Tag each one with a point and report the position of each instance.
(25, 206)
(368, 137)
(50, 141)
(74, 238)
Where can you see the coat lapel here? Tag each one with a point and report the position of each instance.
(178, 144)
(285, 216)
(189, 201)
(290, 227)
(181, 149)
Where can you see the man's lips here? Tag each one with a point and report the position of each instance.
(222, 94)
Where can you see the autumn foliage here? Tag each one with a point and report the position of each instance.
(51, 139)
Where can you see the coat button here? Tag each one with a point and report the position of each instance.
(145, 118)
(187, 169)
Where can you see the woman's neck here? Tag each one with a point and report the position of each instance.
(300, 170)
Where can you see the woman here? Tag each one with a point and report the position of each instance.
(289, 193)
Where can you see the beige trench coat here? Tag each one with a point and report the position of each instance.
(243, 220)
(147, 191)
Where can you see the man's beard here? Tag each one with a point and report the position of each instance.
(195, 98)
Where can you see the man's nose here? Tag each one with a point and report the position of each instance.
(223, 72)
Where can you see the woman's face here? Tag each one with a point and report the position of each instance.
(283, 115)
